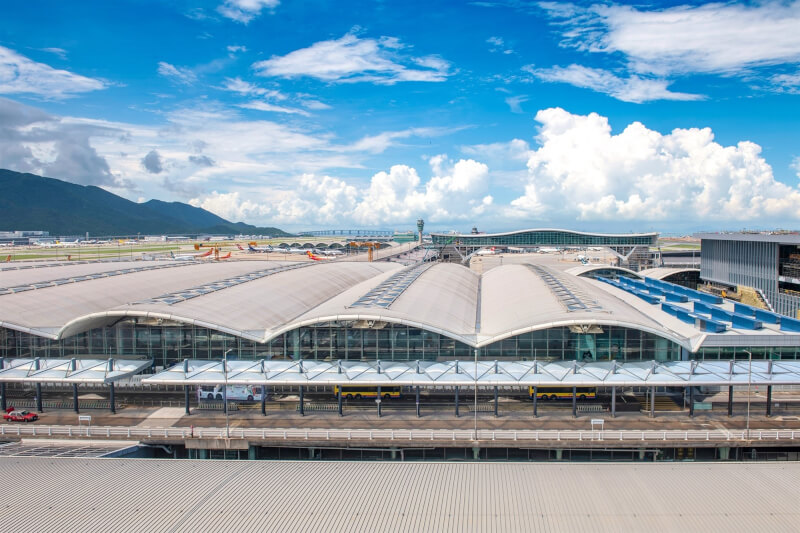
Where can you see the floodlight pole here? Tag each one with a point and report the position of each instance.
(225, 396)
(749, 380)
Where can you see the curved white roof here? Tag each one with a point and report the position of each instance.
(262, 299)
(665, 272)
(583, 269)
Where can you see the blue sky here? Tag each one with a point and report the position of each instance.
(673, 116)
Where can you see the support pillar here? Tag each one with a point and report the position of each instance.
(691, 401)
(574, 402)
(263, 400)
(613, 402)
(495, 402)
(3, 402)
(302, 407)
(652, 402)
(339, 400)
(112, 404)
(535, 400)
(456, 401)
(225, 398)
(251, 453)
(724, 453)
(418, 411)
(38, 388)
(185, 398)
(39, 398)
(75, 406)
(559, 454)
(476, 453)
(769, 400)
(730, 401)
(378, 401)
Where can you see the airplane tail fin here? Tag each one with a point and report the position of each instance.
(239, 246)
(225, 256)
(172, 255)
(8, 258)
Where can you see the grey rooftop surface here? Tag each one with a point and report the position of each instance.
(205, 495)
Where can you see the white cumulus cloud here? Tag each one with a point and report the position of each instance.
(350, 59)
(20, 75)
(245, 10)
(581, 171)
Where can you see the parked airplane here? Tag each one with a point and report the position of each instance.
(257, 249)
(487, 251)
(544, 250)
(329, 252)
(315, 257)
(190, 257)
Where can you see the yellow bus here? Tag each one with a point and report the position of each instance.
(564, 393)
(367, 392)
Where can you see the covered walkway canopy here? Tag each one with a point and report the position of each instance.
(79, 371)
(484, 373)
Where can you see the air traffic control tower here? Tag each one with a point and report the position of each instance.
(631, 249)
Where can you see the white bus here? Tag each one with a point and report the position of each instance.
(235, 392)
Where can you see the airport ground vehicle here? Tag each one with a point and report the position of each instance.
(564, 393)
(368, 392)
(235, 392)
(12, 415)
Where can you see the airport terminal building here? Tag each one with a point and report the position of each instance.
(631, 249)
(170, 311)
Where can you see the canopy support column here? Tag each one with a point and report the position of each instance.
(456, 401)
(769, 400)
(691, 401)
(418, 410)
(38, 388)
(302, 407)
(112, 406)
(495, 401)
(613, 402)
(73, 367)
(652, 402)
(2, 388)
(339, 400)
(574, 402)
(378, 401)
(730, 401)
(535, 399)
(225, 398)
(186, 407)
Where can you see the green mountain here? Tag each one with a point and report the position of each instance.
(30, 202)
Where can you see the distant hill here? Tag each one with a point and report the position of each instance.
(30, 202)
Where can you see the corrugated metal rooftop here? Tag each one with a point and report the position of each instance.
(190, 495)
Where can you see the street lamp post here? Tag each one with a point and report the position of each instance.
(749, 379)
(225, 395)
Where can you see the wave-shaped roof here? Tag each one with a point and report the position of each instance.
(260, 300)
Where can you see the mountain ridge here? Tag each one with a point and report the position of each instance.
(32, 202)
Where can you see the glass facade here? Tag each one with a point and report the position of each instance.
(167, 344)
(544, 238)
(739, 353)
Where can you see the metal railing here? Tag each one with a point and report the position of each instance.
(440, 435)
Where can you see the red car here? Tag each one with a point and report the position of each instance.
(12, 415)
